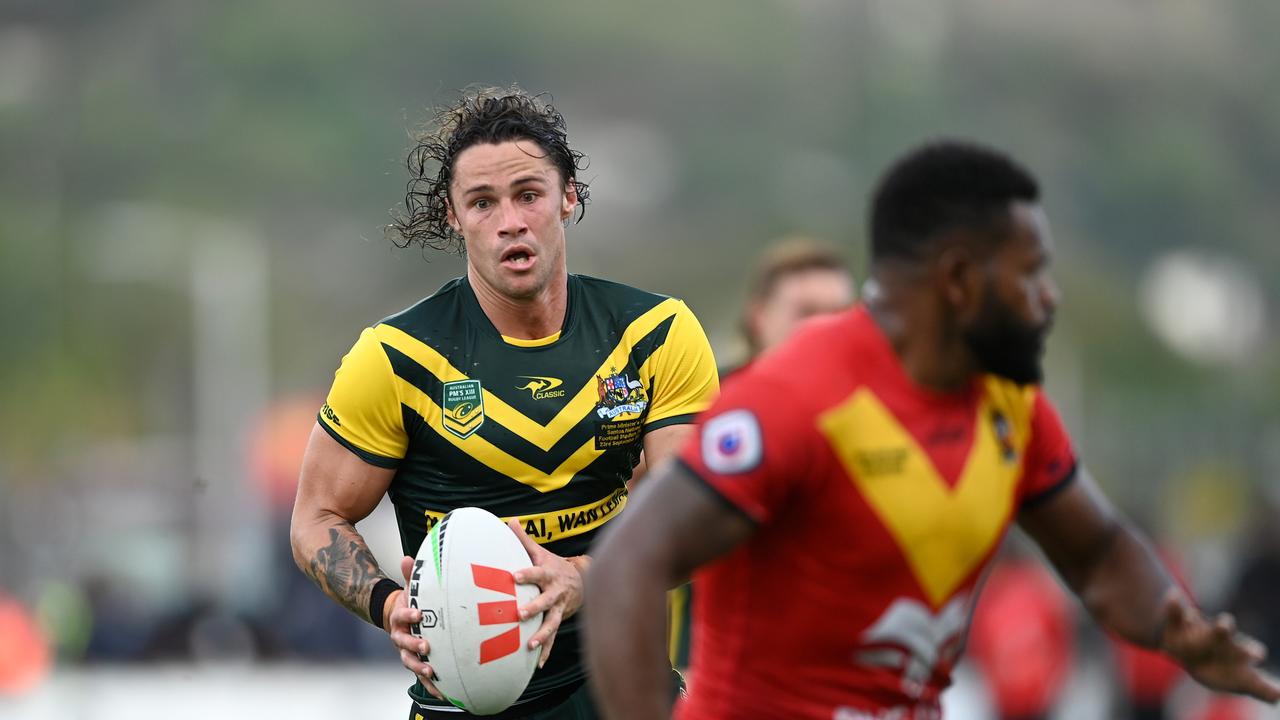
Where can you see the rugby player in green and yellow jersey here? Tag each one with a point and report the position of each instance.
(519, 388)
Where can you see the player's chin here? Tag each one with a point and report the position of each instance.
(523, 286)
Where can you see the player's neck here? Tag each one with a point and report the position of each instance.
(532, 318)
(930, 354)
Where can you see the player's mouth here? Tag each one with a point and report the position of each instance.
(517, 257)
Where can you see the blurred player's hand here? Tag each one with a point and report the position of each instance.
(398, 618)
(1213, 652)
(560, 581)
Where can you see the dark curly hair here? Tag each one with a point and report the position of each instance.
(943, 185)
(487, 115)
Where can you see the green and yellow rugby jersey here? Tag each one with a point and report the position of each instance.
(544, 431)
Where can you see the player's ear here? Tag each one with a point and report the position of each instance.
(958, 274)
(450, 217)
(569, 201)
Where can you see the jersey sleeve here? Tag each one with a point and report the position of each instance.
(685, 381)
(752, 450)
(1050, 460)
(362, 411)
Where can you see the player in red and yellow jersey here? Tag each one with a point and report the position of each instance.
(845, 494)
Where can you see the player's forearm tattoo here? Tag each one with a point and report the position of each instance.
(345, 569)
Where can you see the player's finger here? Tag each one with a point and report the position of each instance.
(530, 545)
(535, 575)
(546, 651)
(550, 623)
(1262, 686)
(411, 643)
(544, 602)
(426, 680)
(408, 642)
(1225, 624)
(414, 664)
(1251, 647)
(406, 567)
(1174, 611)
(403, 616)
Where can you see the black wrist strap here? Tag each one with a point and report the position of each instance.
(378, 600)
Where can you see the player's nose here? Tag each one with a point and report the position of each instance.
(511, 221)
(1050, 296)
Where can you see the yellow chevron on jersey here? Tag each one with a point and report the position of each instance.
(493, 456)
(543, 436)
(944, 532)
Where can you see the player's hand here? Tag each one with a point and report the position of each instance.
(1213, 652)
(398, 617)
(561, 584)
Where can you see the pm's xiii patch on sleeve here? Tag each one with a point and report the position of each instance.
(731, 443)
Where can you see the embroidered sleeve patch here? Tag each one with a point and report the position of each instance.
(731, 443)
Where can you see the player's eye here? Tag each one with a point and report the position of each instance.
(480, 204)
(528, 196)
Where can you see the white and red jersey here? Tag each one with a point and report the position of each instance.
(878, 504)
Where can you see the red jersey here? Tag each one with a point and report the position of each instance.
(878, 504)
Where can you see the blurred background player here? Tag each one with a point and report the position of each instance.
(845, 493)
(795, 278)
(519, 388)
(1021, 637)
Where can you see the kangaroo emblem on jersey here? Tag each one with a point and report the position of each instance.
(462, 407)
(542, 387)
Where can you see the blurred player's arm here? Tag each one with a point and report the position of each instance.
(673, 525)
(335, 491)
(1122, 583)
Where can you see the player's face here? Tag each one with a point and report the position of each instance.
(797, 297)
(1008, 332)
(509, 203)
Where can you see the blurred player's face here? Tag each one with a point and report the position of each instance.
(1008, 332)
(796, 297)
(509, 203)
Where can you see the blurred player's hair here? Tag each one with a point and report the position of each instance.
(482, 115)
(789, 256)
(941, 186)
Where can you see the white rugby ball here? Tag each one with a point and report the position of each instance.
(463, 585)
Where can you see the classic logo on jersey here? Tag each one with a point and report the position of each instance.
(914, 641)
(542, 388)
(731, 443)
(462, 407)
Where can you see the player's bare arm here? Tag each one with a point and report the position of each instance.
(335, 491)
(1113, 570)
(672, 526)
(561, 580)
